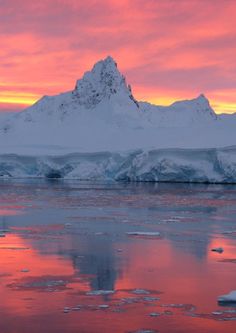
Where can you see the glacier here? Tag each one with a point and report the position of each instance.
(100, 131)
(216, 165)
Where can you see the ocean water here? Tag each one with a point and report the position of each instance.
(116, 257)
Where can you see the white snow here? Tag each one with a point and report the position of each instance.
(181, 113)
(231, 297)
(99, 131)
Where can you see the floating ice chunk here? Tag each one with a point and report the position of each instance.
(66, 309)
(3, 231)
(154, 314)
(229, 311)
(171, 220)
(229, 298)
(168, 312)
(100, 292)
(151, 299)
(75, 308)
(229, 232)
(217, 313)
(141, 292)
(231, 318)
(186, 307)
(143, 233)
(25, 270)
(103, 306)
(144, 331)
(130, 300)
(218, 249)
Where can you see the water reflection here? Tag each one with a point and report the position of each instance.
(98, 261)
(72, 238)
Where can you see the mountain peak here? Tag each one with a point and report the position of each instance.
(107, 65)
(102, 82)
(202, 99)
(108, 61)
(204, 105)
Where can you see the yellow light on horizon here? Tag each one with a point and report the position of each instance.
(26, 99)
(18, 98)
(224, 108)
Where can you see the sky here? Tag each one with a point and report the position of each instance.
(167, 49)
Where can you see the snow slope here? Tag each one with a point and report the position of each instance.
(182, 113)
(101, 119)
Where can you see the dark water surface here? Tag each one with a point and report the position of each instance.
(69, 264)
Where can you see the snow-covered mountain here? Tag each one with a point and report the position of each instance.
(101, 94)
(101, 115)
(196, 111)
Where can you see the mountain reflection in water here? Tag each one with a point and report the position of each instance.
(64, 248)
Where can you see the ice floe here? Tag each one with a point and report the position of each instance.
(140, 292)
(154, 314)
(103, 306)
(228, 298)
(218, 249)
(100, 292)
(143, 233)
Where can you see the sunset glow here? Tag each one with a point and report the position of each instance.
(168, 50)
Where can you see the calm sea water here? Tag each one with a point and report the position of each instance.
(74, 257)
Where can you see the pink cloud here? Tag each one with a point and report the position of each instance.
(185, 46)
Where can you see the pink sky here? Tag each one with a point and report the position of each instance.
(167, 49)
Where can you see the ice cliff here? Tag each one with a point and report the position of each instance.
(175, 165)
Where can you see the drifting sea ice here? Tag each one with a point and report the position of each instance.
(228, 298)
(143, 233)
(218, 249)
(100, 292)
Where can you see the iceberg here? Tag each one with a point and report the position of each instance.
(229, 298)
